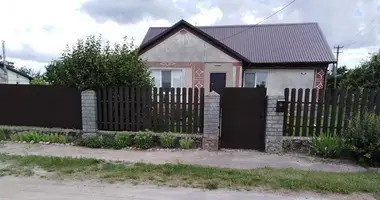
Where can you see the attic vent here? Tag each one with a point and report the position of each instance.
(183, 31)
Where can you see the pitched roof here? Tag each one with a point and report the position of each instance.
(267, 43)
(12, 69)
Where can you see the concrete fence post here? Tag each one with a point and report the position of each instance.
(89, 113)
(210, 139)
(274, 126)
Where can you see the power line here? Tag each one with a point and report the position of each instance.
(360, 31)
(283, 8)
(336, 64)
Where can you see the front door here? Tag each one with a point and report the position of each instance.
(217, 82)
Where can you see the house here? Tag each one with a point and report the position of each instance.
(275, 56)
(13, 76)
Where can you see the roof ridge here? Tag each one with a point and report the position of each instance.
(241, 25)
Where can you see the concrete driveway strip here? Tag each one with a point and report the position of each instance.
(12, 188)
(226, 159)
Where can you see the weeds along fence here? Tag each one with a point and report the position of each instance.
(312, 112)
(178, 110)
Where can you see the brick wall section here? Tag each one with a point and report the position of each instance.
(274, 126)
(211, 122)
(89, 121)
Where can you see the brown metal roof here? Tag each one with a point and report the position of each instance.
(268, 43)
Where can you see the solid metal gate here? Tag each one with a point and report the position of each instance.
(243, 118)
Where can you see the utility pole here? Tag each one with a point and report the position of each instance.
(335, 67)
(4, 63)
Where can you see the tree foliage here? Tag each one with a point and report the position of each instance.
(30, 72)
(93, 63)
(366, 75)
(341, 73)
(38, 81)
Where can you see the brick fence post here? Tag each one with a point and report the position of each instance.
(89, 113)
(274, 126)
(210, 139)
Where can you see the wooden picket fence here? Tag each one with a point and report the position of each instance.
(312, 112)
(159, 109)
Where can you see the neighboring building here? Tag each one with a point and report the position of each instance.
(13, 76)
(275, 56)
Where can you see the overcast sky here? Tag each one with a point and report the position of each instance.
(37, 31)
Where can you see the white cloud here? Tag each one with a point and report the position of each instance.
(26, 24)
(26, 27)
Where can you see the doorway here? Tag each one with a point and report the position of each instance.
(217, 82)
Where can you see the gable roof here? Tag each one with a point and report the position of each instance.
(12, 69)
(267, 43)
(156, 37)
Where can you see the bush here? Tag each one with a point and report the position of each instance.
(108, 141)
(167, 141)
(15, 137)
(363, 139)
(93, 142)
(123, 140)
(186, 143)
(326, 145)
(2, 135)
(143, 140)
(27, 136)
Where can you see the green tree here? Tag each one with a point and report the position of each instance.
(30, 72)
(366, 75)
(38, 81)
(341, 73)
(93, 63)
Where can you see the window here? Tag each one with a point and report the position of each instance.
(255, 79)
(167, 78)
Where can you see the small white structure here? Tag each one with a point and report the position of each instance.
(12, 76)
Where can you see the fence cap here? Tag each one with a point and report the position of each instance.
(213, 93)
(88, 91)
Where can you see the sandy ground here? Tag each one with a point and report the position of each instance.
(229, 159)
(12, 188)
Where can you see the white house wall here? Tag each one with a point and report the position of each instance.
(279, 79)
(198, 58)
(14, 78)
(183, 46)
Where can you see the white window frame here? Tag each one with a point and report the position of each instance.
(255, 72)
(169, 69)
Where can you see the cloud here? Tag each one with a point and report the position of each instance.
(28, 53)
(43, 35)
(339, 21)
(133, 11)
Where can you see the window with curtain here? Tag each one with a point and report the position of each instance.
(255, 79)
(167, 78)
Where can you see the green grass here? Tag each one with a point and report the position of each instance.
(192, 176)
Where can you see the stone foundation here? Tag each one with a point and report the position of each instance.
(296, 144)
(210, 143)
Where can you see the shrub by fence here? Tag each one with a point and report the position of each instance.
(312, 112)
(40, 105)
(159, 109)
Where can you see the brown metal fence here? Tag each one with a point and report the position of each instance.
(312, 112)
(158, 109)
(40, 105)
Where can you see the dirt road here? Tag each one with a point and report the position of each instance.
(12, 188)
(229, 159)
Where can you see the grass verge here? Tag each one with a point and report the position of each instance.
(190, 175)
